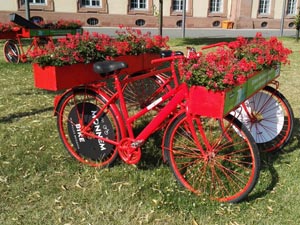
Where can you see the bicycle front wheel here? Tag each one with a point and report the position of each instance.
(77, 108)
(229, 168)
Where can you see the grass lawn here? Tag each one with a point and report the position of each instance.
(41, 184)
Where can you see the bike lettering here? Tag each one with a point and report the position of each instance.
(78, 129)
(98, 131)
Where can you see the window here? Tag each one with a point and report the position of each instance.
(140, 7)
(179, 23)
(37, 19)
(216, 23)
(216, 6)
(90, 3)
(36, 2)
(177, 5)
(37, 5)
(138, 4)
(176, 8)
(92, 6)
(291, 25)
(264, 7)
(291, 7)
(140, 22)
(92, 21)
(264, 24)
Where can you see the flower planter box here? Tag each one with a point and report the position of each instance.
(8, 35)
(55, 78)
(218, 104)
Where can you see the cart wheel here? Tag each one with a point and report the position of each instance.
(269, 118)
(81, 105)
(11, 51)
(229, 170)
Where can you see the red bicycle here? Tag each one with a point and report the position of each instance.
(214, 157)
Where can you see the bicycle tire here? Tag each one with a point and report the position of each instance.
(11, 52)
(273, 119)
(83, 104)
(230, 171)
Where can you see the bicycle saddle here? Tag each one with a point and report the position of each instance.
(168, 53)
(108, 67)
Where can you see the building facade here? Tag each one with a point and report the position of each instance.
(244, 14)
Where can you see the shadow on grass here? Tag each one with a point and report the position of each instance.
(207, 41)
(202, 41)
(11, 117)
(294, 139)
(270, 179)
(268, 159)
(151, 151)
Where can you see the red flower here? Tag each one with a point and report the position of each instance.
(241, 79)
(229, 79)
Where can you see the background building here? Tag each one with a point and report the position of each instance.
(145, 13)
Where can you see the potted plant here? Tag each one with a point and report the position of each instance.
(130, 45)
(224, 78)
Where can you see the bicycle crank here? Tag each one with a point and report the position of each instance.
(128, 153)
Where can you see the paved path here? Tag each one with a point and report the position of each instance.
(202, 32)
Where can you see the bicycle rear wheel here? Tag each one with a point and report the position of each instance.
(230, 169)
(82, 105)
(269, 118)
(142, 92)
